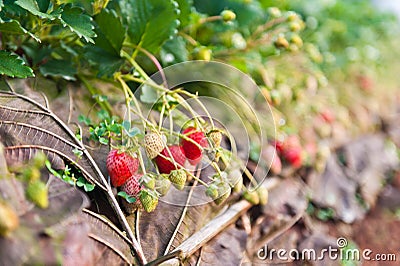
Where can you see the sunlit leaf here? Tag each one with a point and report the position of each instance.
(12, 65)
(78, 22)
(33, 7)
(150, 22)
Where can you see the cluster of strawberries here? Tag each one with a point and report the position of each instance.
(169, 160)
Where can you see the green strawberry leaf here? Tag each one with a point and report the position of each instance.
(59, 68)
(78, 22)
(128, 198)
(12, 65)
(174, 51)
(150, 22)
(33, 7)
(185, 6)
(81, 182)
(1, 4)
(43, 5)
(149, 94)
(106, 62)
(14, 27)
(110, 32)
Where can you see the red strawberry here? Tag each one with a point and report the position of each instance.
(165, 166)
(278, 145)
(132, 186)
(328, 116)
(121, 166)
(293, 156)
(192, 151)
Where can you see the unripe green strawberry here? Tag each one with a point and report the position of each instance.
(294, 26)
(238, 186)
(37, 192)
(8, 219)
(274, 12)
(235, 180)
(296, 39)
(251, 196)
(281, 42)
(262, 195)
(224, 191)
(178, 178)
(212, 191)
(292, 16)
(228, 15)
(203, 53)
(39, 160)
(216, 137)
(31, 174)
(162, 184)
(148, 200)
(148, 182)
(153, 144)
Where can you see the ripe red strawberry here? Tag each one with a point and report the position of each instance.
(328, 116)
(278, 145)
(293, 156)
(121, 166)
(132, 186)
(192, 151)
(165, 166)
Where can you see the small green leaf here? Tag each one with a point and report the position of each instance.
(149, 94)
(78, 22)
(115, 128)
(59, 68)
(103, 141)
(128, 198)
(126, 125)
(133, 132)
(33, 7)
(51, 170)
(150, 22)
(77, 152)
(84, 119)
(88, 187)
(80, 182)
(12, 65)
(103, 115)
